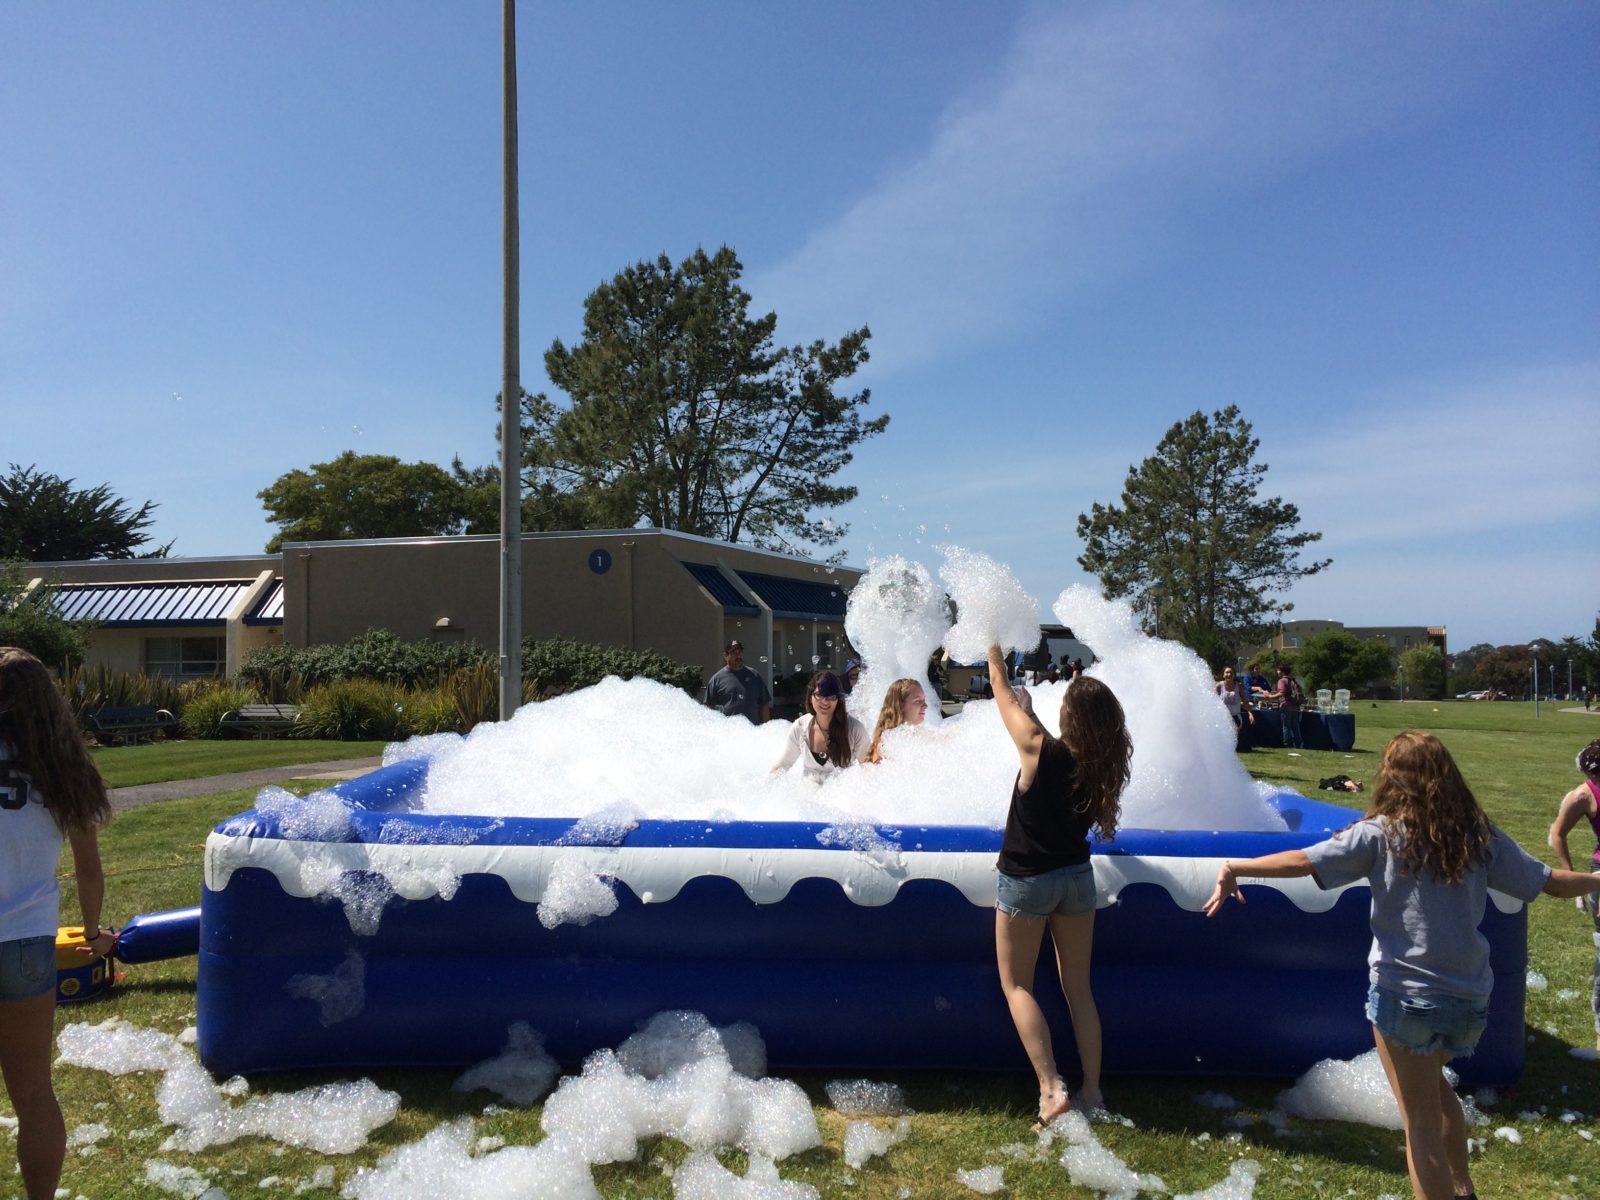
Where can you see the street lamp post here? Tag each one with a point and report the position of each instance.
(1155, 603)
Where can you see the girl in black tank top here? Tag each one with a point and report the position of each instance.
(1065, 788)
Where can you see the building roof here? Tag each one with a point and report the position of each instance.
(798, 599)
(723, 592)
(149, 605)
(269, 609)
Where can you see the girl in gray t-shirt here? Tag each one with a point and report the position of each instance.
(1430, 856)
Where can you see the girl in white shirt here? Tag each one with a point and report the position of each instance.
(50, 790)
(825, 738)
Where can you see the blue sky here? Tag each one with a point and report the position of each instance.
(236, 240)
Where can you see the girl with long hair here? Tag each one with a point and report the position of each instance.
(904, 703)
(1582, 803)
(1430, 856)
(824, 738)
(50, 791)
(1066, 788)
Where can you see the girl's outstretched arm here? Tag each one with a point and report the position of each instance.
(1567, 884)
(1019, 721)
(1286, 864)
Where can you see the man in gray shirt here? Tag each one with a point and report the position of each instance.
(736, 690)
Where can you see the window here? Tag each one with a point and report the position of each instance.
(185, 657)
(1294, 643)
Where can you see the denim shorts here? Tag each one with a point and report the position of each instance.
(1429, 1024)
(1064, 892)
(27, 967)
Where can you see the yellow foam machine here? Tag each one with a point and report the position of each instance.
(79, 976)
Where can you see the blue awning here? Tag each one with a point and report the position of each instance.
(269, 611)
(724, 593)
(149, 605)
(798, 599)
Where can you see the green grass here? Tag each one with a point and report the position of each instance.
(159, 762)
(1518, 766)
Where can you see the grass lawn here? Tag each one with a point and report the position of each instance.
(192, 758)
(1518, 766)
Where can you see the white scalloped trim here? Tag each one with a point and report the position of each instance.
(656, 874)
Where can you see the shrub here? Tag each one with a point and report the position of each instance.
(564, 665)
(354, 710)
(205, 702)
(376, 654)
(31, 623)
(475, 692)
(89, 689)
(432, 710)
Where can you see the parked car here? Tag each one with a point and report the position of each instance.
(1472, 695)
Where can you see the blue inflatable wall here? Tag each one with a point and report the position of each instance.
(878, 957)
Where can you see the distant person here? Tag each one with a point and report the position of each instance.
(1231, 689)
(736, 690)
(1582, 803)
(1291, 698)
(1256, 685)
(50, 791)
(824, 738)
(1429, 855)
(851, 676)
(905, 703)
(1065, 787)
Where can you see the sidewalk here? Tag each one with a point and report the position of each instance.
(125, 798)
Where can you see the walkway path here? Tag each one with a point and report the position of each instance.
(124, 798)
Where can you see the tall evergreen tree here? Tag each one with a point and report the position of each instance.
(683, 413)
(44, 518)
(1193, 530)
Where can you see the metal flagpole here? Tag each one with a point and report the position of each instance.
(510, 394)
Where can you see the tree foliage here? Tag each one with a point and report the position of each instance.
(44, 518)
(1422, 668)
(1193, 530)
(1339, 659)
(683, 413)
(363, 496)
(1507, 669)
(30, 622)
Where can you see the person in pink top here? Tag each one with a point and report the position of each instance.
(1583, 802)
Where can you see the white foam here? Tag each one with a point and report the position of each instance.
(442, 1166)
(702, 1177)
(520, 1073)
(339, 995)
(321, 817)
(1217, 1100)
(176, 1180)
(1344, 1090)
(865, 1098)
(896, 620)
(986, 1181)
(991, 607)
(88, 1134)
(1507, 1134)
(1186, 774)
(1536, 982)
(575, 895)
(1238, 1184)
(864, 1140)
(1092, 1165)
(333, 1118)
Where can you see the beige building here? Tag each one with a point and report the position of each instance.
(677, 594)
(1292, 635)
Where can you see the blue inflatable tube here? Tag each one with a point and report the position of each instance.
(393, 937)
(153, 936)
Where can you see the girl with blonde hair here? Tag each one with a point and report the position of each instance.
(1430, 856)
(50, 791)
(904, 703)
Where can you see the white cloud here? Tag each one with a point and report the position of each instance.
(1102, 127)
(1480, 456)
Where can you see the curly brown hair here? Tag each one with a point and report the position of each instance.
(1589, 760)
(1096, 731)
(890, 715)
(35, 719)
(1432, 820)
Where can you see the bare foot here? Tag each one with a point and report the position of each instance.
(1089, 1100)
(1051, 1105)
